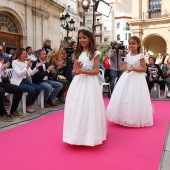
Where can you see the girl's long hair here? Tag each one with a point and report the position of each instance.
(138, 42)
(92, 45)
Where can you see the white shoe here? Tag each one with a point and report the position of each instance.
(168, 94)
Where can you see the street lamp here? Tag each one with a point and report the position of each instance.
(85, 4)
(66, 23)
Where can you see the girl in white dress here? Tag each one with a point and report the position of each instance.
(84, 114)
(130, 103)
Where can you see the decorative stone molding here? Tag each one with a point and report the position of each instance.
(22, 37)
(40, 12)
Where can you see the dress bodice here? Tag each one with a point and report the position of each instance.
(87, 63)
(134, 60)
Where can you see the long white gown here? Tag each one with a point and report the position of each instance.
(130, 103)
(84, 114)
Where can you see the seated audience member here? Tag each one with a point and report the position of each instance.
(106, 64)
(22, 77)
(30, 55)
(154, 75)
(164, 60)
(9, 88)
(13, 57)
(3, 55)
(60, 53)
(166, 74)
(147, 55)
(10, 53)
(47, 45)
(56, 74)
(51, 88)
(159, 59)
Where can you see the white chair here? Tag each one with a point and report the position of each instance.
(105, 84)
(166, 90)
(157, 88)
(41, 98)
(10, 96)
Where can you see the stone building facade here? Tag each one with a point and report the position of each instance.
(151, 23)
(29, 22)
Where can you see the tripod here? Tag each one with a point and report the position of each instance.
(69, 67)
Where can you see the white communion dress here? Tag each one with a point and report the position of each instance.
(130, 103)
(84, 113)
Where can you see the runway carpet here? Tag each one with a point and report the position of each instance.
(38, 145)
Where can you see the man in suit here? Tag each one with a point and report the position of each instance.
(51, 88)
(9, 88)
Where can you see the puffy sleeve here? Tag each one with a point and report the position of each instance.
(97, 53)
(142, 56)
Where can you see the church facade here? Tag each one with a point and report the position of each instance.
(28, 22)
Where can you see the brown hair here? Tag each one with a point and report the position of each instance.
(92, 44)
(154, 59)
(138, 42)
(19, 52)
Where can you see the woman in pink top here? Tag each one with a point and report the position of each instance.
(106, 64)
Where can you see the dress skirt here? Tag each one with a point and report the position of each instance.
(84, 114)
(130, 103)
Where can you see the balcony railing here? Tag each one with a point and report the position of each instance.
(97, 32)
(155, 13)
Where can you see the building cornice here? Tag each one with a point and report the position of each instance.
(149, 21)
(123, 17)
(48, 3)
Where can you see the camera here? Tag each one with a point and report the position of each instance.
(119, 46)
(69, 51)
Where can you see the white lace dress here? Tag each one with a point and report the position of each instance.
(130, 103)
(84, 114)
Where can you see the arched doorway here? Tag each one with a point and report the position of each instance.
(9, 32)
(155, 44)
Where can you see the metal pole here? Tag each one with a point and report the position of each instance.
(67, 29)
(93, 17)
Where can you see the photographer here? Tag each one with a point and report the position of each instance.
(115, 54)
(70, 50)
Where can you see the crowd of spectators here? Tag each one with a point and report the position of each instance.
(33, 71)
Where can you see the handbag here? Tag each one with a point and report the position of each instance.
(61, 77)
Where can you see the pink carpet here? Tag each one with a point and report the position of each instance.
(38, 146)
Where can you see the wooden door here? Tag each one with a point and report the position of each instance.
(9, 41)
